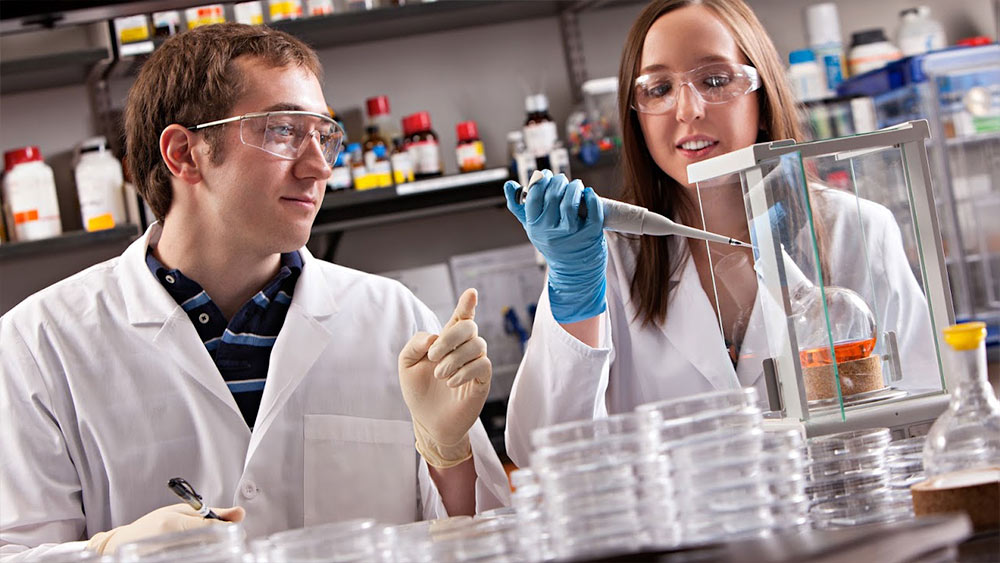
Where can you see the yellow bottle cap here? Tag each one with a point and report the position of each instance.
(965, 336)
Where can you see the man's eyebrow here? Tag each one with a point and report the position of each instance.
(284, 107)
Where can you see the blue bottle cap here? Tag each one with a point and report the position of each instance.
(353, 147)
(801, 56)
(379, 151)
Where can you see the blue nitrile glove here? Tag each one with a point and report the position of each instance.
(574, 248)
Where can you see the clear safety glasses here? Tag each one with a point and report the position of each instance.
(715, 83)
(284, 133)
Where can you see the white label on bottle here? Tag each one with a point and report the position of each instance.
(340, 178)
(382, 173)
(540, 138)
(470, 156)
(402, 167)
(426, 157)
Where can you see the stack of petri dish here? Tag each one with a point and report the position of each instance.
(905, 460)
(349, 541)
(730, 478)
(222, 543)
(527, 501)
(459, 539)
(849, 478)
(585, 473)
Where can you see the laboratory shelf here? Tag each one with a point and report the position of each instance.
(68, 241)
(350, 209)
(393, 22)
(49, 71)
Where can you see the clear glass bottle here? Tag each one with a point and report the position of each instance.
(967, 435)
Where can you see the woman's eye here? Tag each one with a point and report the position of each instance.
(658, 91)
(717, 81)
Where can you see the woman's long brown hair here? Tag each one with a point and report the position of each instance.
(644, 183)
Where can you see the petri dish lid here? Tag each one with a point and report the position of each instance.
(700, 404)
(857, 441)
(585, 430)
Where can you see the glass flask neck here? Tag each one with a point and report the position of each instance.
(973, 388)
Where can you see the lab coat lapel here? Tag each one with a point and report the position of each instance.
(302, 340)
(693, 328)
(155, 316)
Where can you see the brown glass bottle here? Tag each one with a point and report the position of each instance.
(423, 146)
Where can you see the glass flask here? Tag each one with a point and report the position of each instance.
(851, 326)
(967, 435)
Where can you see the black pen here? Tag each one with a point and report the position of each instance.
(183, 489)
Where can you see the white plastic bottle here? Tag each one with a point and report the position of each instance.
(805, 75)
(29, 195)
(823, 27)
(99, 186)
(918, 32)
(870, 50)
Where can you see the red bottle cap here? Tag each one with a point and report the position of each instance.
(20, 156)
(421, 121)
(379, 105)
(978, 41)
(408, 125)
(467, 131)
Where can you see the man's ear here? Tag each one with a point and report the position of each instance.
(177, 150)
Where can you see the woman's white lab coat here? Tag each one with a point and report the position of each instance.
(107, 392)
(562, 379)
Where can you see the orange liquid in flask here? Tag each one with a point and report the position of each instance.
(845, 351)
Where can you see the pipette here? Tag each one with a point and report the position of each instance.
(632, 219)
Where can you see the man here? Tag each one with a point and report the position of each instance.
(217, 349)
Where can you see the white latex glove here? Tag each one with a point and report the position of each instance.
(172, 518)
(445, 380)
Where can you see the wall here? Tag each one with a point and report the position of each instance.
(479, 73)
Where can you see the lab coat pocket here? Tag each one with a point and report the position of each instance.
(359, 468)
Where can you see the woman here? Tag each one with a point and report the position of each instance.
(630, 320)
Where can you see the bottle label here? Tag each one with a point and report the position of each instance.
(426, 157)
(402, 168)
(470, 156)
(381, 173)
(340, 178)
(540, 138)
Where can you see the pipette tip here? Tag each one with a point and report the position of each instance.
(734, 242)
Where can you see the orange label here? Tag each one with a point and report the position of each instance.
(26, 216)
(100, 222)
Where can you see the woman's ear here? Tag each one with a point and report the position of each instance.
(177, 150)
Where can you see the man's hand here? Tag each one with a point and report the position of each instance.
(445, 380)
(172, 518)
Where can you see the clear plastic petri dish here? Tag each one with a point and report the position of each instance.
(586, 478)
(596, 546)
(861, 482)
(591, 505)
(694, 405)
(611, 450)
(408, 543)
(337, 542)
(523, 477)
(750, 522)
(483, 540)
(909, 447)
(872, 440)
(220, 543)
(860, 509)
(826, 468)
(585, 430)
(719, 450)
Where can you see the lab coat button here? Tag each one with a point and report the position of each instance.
(203, 318)
(249, 489)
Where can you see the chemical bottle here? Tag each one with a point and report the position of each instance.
(284, 9)
(918, 32)
(249, 13)
(402, 164)
(359, 172)
(967, 435)
(469, 152)
(870, 50)
(422, 144)
(805, 75)
(320, 7)
(381, 170)
(99, 182)
(340, 177)
(29, 196)
(540, 133)
(380, 113)
(379, 120)
(823, 27)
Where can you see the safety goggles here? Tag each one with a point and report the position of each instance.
(285, 133)
(715, 83)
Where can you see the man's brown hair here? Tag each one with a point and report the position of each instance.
(191, 79)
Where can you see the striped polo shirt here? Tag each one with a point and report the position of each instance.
(241, 347)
